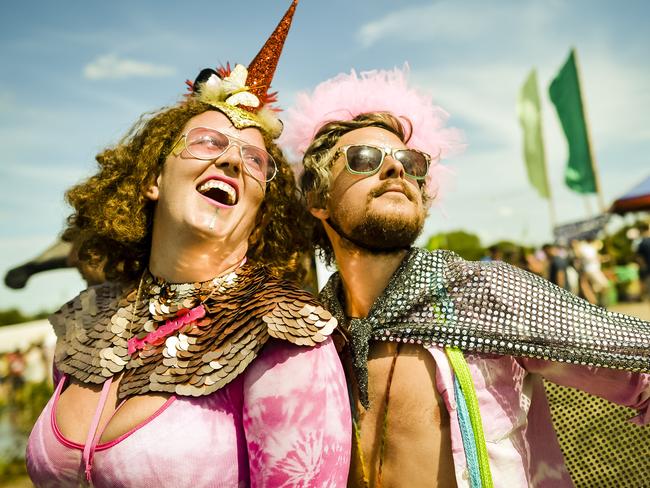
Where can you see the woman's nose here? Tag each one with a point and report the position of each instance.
(231, 159)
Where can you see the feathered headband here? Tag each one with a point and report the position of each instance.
(243, 94)
(347, 95)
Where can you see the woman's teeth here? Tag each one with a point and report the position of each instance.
(219, 191)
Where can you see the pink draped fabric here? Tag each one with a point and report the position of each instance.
(521, 442)
(284, 422)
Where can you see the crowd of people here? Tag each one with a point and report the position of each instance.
(587, 268)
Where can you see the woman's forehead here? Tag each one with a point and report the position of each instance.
(217, 120)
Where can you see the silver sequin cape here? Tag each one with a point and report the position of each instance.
(436, 297)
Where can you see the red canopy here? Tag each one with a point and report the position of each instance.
(635, 200)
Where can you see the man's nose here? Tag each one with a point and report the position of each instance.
(392, 168)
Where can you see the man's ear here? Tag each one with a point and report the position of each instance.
(320, 213)
(153, 192)
(316, 207)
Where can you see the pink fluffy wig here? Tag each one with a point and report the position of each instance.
(347, 95)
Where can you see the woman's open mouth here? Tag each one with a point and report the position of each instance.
(219, 191)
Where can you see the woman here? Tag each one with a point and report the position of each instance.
(196, 365)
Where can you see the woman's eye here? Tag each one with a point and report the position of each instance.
(255, 160)
(209, 141)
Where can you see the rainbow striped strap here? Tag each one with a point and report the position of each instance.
(468, 406)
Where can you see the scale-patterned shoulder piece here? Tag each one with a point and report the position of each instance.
(92, 332)
(209, 353)
(190, 339)
(294, 315)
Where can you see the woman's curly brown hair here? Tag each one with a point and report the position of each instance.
(316, 179)
(114, 219)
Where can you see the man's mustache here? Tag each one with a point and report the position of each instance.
(394, 185)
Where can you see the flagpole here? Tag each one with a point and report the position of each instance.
(588, 209)
(551, 205)
(552, 214)
(594, 164)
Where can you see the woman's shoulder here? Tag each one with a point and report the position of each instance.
(87, 305)
(294, 314)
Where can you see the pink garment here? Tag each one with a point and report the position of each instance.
(521, 442)
(284, 422)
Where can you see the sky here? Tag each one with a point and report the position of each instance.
(77, 74)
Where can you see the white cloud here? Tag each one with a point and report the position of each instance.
(459, 21)
(112, 67)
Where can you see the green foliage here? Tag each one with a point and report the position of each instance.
(12, 316)
(463, 243)
(20, 406)
(619, 247)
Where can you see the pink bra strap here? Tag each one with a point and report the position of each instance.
(91, 440)
(59, 387)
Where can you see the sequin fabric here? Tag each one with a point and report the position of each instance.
(438, 298)
(242, 119)
(243, 310)
(262, 68)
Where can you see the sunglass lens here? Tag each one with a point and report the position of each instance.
(363, 159)
(206, 143)
(414, 162)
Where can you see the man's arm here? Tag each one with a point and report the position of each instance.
(621, 387)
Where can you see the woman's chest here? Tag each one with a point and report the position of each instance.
(187, 441)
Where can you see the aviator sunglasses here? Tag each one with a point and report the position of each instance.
(206, 144)
(365, 159)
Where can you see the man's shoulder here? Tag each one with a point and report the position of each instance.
(436, 254)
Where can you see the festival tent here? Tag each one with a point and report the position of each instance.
(635, 200)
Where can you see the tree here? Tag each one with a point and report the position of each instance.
(465, 244)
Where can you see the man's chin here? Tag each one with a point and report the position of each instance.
(388, 233)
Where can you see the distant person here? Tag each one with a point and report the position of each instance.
(494, 254)
(557, 266)
(594, 281)
(643, 252)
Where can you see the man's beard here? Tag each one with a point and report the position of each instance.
(378, 232)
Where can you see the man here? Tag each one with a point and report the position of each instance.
(594, 282)
(643, 252)
(494, 254)
(437, 343)
(557, 265)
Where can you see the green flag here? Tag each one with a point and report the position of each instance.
(565, 95)
(528, 109)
